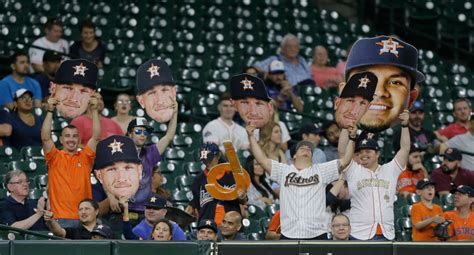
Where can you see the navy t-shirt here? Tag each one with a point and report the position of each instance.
(44, 83)
(205, 202)
(4, 119)
(95, 56)
(12, 211)
(24, 135)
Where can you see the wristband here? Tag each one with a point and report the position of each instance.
(353, 138)
(405, 126)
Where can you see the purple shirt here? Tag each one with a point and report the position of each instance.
(150, 156)
(443, 181)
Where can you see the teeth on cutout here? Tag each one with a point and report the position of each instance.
(377, 107)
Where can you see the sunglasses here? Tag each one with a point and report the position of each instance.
(141, 131)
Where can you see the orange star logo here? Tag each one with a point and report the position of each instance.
(153, 70)
(389, 46)
(80, 70)
(247, 84)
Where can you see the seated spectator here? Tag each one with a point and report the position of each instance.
(157, 184)
(26, 125)
(260, 192)
(465, 144)
(17, 210)
(162, 231)
(296, 68)
(310, 132)
(424, 214)
(52, 41)
(207, 231)
(462, 226)
(274, 228)
(450, 174)
(101, 232)
(414, 172)
(325, 76)
(331, 132)
(231, 225)
(285, 134)
(89, 47)
(280, 90)
(122, 106)
(462, 110)
(88, 211)
(5, 127)
(425, 138)
(155, 210)
(224, 128)
(51, 63)
(19, 79)
(83, 124)
(340, 227)
(270, 142)
(251, 70)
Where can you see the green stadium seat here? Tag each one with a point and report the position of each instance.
(184, 182)
(36, 193)
(174, 154)
(181, 196)
(264, 222)
(250, 226)
(256, 212)
(256, 236)
(41, 181)
(193, 168)
(8, 154)
(182, 141)
(32, 153)
(413, 198)
(3, 194)
(272, 209)
(447, 199)
(406, 210)
(31, 168)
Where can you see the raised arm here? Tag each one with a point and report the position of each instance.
(168, 137)
(342, 143)
(46, 140)
(350, 147)
(96, 129)
(402, 154)
(257, 152)
(53, 225)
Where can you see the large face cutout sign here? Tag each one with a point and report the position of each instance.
(156, 89)
(117, 166)
(74, 84)
(355, 98)
(391, 66)
(251, 100)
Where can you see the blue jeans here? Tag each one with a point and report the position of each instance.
(68, 223)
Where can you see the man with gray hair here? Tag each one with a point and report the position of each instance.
(296, 68)
(17, 210)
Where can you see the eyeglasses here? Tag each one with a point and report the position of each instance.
(141, 131)
(124, 102)
(25, 98)
(21, 182)
(344, 225)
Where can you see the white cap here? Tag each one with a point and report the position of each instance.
(276, 67)
(21, 92)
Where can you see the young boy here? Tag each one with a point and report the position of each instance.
(425, 215)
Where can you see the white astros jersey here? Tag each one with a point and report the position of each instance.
(303, 197)
(372, 197)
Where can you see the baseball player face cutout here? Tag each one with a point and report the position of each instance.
(392, 95)
(350, 110)
(206, 234)
(255, 111)
(73, 99)
(120, 179)
(158, 102)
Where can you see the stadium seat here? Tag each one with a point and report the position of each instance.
(32, 153)
(264, 222)
(251, 226)
(256, 236)
(31, 168)
(3, 194)
(447, 199)
(41, 181)
(255, 212)
(271, 210)
(413, 198)
(8, 154)
(36, 193)
(181, 196)
(174, 154)
(193, 168)
(184, 182)
(406, 211)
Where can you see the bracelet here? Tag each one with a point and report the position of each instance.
(51, 111)
(405, 126)
(353, 138)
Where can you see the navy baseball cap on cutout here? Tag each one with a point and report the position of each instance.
(115, 148)
(152, 73)
(207, 224)
(79, 71)
(384, 50)
(361, 84)
(464, 189)
(102, 230)
(245, 86)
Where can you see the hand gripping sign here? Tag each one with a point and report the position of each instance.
(241, 177)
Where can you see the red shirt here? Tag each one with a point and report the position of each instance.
(452, 130)
(443, 181)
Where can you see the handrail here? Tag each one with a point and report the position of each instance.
(29, 232)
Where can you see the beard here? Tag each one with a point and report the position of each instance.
(448, 170)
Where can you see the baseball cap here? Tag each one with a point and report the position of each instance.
(51, 56)
(384, 50)
(153, 72)
(421, 184)
(156, 201)
(208, 151)
(102, 230)
(139, 122)
(367, 140)
(276, 67)
(310, 128)
(80, 71)
(415, 147)
(207, 224)
(20, 92)
(245, 86)
(417, 106)
(452, 154)
(464, 189)
(115, 148)
(360, 84)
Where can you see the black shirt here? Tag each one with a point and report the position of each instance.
(79, 232)
(97, 55)
(423, 137)
(12, 211)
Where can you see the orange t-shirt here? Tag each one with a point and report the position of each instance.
(69, 181)
(461, 228)
(275, 223)
(407, 181)
(419, 212)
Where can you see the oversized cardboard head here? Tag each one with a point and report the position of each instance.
(251, 99)
(394, 63)
(156, 89)
(74, 83)
(118, 166)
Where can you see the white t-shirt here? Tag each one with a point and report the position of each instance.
(285, 134)
(372, 196)
(303, 197)
(218, 131)
(36, 55)
(464, 142)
